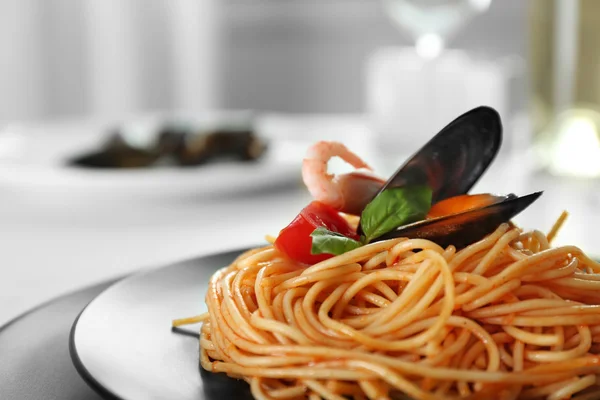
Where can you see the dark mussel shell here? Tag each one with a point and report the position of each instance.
(467, 227)
(117, 152)
(454, 159)
(176, 145)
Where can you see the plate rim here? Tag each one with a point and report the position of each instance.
(78, 364)
(14, 320)
(83, 372)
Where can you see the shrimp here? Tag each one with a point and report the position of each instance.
(348, 193)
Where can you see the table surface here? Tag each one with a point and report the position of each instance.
(54, 241)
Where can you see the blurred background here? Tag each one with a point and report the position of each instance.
(80, 77)
(64, 58)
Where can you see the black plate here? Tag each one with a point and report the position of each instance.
(123, 346)
(34, 351)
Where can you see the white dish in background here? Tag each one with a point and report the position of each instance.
(34, 157)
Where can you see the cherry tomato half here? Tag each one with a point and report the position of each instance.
(295, 241)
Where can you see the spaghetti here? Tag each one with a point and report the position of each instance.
(508, 317)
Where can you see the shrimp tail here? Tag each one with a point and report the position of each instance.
(348, 192)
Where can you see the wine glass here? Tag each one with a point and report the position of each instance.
(432, 22)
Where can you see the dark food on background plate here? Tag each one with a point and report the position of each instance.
(409, 286)
(175, 145)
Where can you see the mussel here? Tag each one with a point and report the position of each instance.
(454, 159)
(450, 164)
(174, 144)
(464, 228)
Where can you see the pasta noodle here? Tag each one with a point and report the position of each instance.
(507, 317)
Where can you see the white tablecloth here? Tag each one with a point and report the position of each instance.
(54, 244)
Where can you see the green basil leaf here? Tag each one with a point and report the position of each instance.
(325, 241)
(393, 208)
